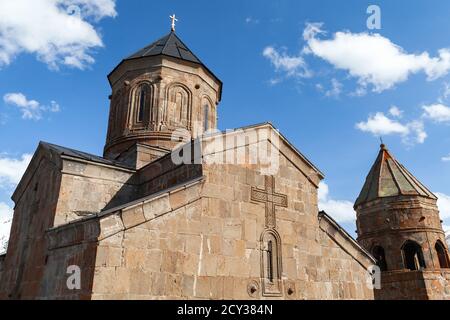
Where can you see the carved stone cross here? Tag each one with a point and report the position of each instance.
(270, 198)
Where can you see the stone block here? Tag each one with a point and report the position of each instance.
(232, 229)
(157, 207)
(178, 199)
(134, 258)
(152, 260)
(140, 283)
(133, 217)
(250, 230)
(202, 287)
(110, 225)
(187, 286)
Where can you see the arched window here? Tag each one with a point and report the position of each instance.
(270, 275)
(271, 263)
(378, 253)
(442, 255)
(142, 103)
(206, 117)
(413, 256)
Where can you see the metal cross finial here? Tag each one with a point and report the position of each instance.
(174, 19)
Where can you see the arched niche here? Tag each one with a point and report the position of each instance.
(178, 108)
(207, 114)
(442, 254)
(142, 113)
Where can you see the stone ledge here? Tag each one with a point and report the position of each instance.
(344, 240)
(104, 225)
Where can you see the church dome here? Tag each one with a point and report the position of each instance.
(169, 46)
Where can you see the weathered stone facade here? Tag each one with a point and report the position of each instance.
(139, 224)
(398, 222)
(195, 239)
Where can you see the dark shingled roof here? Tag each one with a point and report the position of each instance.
(82, 155)
(169, 45)
(389, 178)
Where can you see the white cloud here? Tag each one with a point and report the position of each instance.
(443, 205)
(6, 213)
(446, 159)
(447, 233)
(336, 89)
(292, 66)
(59, 32)
(437, 112)
(12, 170)
(373, 59)
(445, 93)
(340, 210)
(395, 112)
(380, 125)
(251, 20)
(416, 128)
(31, 109)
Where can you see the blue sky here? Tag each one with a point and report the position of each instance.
(333, 102)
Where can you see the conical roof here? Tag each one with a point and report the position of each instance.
(169, 45)
(389, 178)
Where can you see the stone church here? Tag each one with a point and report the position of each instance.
(139, 224)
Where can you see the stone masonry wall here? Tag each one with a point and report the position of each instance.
(203, 242)
(438, 284)
(141, 252)
(164, 174)
(89, 187)
(73, 245)
(417, 285)
(2, 262)
(33, 214)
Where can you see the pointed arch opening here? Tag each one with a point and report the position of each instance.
(413, 256)
(379, 255)
(442, 254)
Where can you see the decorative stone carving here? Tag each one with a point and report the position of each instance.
(270, 198)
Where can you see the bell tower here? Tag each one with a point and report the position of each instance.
(161, 95)
(398, 223)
